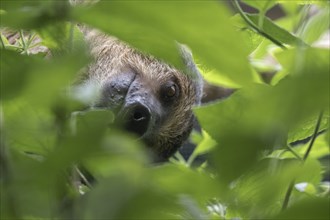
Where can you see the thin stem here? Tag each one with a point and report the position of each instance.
(23, 41)
(13, 47)
(290, 188)
(261, 19)
(30, 39)
(288, 195)
(294, 152)
(255, 27)
(82, 176)
(316, 131)
(2, 43)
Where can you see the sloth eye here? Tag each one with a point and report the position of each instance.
(169, 91)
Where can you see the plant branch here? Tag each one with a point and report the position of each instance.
(288, 195)
(255, 27)
(290, 188)
(2, 43)
(294, 152)
(316, 131)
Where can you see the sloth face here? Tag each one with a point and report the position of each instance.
(150, 98)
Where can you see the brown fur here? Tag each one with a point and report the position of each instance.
(113, 56)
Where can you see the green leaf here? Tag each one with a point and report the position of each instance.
(203, 147)
(4, 41)
(178, 179)
(320, 148)
(277, 32)
(124, 197)
(243, 132)
(153, 26)
(33, 14)
(260, 192)
(251, 38)
(115, 153)
(29, 129)
(290, 7)
(316, 26)
(31, 192)
(61, 37)
(28, 79)
(302, 61)
(313, 208)
(17, 4)
(14, 77)
(306, 129)
(91, 119)
(262, 6)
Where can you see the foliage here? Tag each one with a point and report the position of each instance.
(253, 171)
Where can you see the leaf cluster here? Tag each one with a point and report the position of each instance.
(267, 145)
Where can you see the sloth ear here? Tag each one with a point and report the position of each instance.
(192, 71)
(213, 93)
(206, 92)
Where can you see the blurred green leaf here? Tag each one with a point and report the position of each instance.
(299, 61)
(204, 146)
(261, 191)
(14, 77)
(280, 34)
(153, 27)
(28, 79)
(94, 119)
(314, 208)
(85, 135)
(122, 197)
(316, 26)
(9, 5)
(290, 7)
(192, 210)
(251, 38)
(249, 167)
(119, 154)
(309, 172)
(33, 14)
(242, 132)
(31, 190)
(179, 179)
(61, 37)
(4, 40)
(29, 129)
(262, 6)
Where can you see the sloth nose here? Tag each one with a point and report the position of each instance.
(137, 118)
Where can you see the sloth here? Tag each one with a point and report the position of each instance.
(149, 97)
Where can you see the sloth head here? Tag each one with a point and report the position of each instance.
(149, 97)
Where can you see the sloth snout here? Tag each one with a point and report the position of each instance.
(137, 118)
